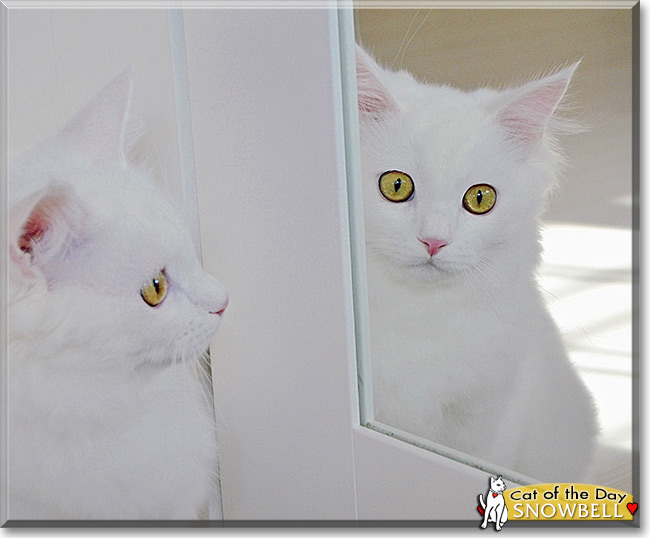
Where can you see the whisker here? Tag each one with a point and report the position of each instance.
(405, 36)
(414, 34)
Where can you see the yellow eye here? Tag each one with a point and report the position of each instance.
(154, 291)
(479, 199)
(396, 186)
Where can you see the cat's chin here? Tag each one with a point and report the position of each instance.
(430, 273)
(420, 273)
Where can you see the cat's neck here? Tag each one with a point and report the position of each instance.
(75, 383)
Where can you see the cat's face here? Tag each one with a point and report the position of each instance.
(497, 484)
(451, 180)
(100, 258)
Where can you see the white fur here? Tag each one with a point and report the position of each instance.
(107, 414)
(464, 351)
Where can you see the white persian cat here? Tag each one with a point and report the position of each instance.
(109, 311)
(464, 350)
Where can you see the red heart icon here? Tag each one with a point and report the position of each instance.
(632, 507)
(494, 495)
(481, 510)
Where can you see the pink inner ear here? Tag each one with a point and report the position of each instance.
(33, 232)
(53, 222)
(40, 220)
(373, 97)
(527, 116)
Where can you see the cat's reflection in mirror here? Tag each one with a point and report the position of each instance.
(464, 351)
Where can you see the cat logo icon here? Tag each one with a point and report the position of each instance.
(494, 509)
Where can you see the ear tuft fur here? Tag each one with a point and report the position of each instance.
(373, 97)
(526, 112)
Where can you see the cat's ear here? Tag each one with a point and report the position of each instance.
(526, 111)
(373, 97)
(99, 129)
(45, 227)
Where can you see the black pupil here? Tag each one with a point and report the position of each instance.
(397, 184)
(156, 285)
(479, 197)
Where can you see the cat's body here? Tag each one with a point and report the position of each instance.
(494, 505)
(108, 417)
(509, 397)
(464, 351)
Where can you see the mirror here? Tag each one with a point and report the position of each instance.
(497, 210)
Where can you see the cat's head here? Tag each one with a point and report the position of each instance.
(100, 260)
(453, 180)
(497, 484)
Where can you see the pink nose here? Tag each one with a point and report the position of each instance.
(433, 245)
(223, 309)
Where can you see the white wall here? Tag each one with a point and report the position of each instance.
(269, 175)
(58, 59)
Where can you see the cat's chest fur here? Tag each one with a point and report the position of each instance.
(443, 349)
(440, 321)
(126, 445)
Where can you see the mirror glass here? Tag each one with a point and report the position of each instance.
(497, 192)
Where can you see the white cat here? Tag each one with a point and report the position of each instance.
(109, 311)
(494, 506)
(464, 351)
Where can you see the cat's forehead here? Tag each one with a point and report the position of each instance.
(139, 210)
(139, 232)
(450, 135)
(445, 118)
(127, 206)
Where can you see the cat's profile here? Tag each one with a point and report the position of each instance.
(464, 351)
(109, 311)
